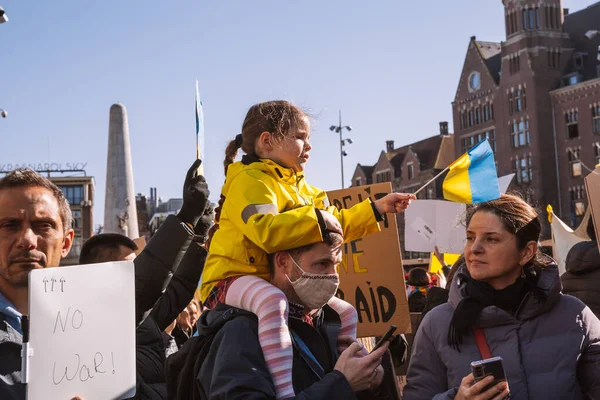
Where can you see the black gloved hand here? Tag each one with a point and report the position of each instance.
(195, 196)
(205, 222)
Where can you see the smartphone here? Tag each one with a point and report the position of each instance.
(385, 337)
(484, 368)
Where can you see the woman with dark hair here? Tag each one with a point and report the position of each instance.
(506, 300)
(418, 284)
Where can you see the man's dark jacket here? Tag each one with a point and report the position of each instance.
(234, 367)
(150, 339)
(582, 278)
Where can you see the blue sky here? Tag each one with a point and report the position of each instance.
(391, 66)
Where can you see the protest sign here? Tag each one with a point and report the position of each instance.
(436, 267)
(431, 223)
(563, 238)
(592, 187)
(371, 273)
(82, 332)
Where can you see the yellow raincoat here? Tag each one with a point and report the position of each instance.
(267, 209)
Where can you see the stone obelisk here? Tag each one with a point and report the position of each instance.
(120, 214)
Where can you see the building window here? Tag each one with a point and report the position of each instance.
(519, 132)
(385, 176)
(470, 141)
(77, 223)
(411, 170)
(358, 182)
(523, 169)
(73, 194)
(577, 195)
(537, 17)
(478, 115)
(575, 162)
(510, 104)
(554, 58)
(514, 64)
(430, 193)
(470, 118)
(596, 118)
(597, 154)
(571, 119)
(486, 112)
(519, 100)
(531, 13)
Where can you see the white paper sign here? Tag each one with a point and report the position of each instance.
(82, 332)
(432, 223)
(504, 182)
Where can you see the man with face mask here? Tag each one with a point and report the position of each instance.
(234, 366)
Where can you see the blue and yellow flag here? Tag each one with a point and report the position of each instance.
(472, 178)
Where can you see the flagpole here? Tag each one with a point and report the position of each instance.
(431, 180)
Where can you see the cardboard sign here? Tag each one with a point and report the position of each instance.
(82, 332)
(592, 188)
(431, 223)
(371, 274)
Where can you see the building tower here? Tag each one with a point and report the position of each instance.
(120, 214)
(534, 57)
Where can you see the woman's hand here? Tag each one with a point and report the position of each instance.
(394, 202)
(469, 390)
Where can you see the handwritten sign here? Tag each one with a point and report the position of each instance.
(431, 223)
(371, 273)
(82, 332)
(592, 187)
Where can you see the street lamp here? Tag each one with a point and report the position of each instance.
(3, 17)
(339, 129)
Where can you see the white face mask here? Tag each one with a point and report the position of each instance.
(314, 290)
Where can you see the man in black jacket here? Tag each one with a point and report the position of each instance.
(582, 278)
(156, 262)
(235, 368)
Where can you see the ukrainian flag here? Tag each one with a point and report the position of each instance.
(472, 178)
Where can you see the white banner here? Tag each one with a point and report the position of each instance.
(82, 332)
(563, 238)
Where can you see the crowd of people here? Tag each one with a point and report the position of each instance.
(239, 302)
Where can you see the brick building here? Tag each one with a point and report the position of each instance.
(536, 97)
(408, 168)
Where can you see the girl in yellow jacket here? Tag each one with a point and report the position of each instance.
(266, 207)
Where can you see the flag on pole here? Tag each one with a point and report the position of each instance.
(472, 177)
(199, 131)
(199, 126)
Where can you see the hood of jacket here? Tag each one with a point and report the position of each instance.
(252, 163)
(583, 257)
(531, 307)
(211, 321)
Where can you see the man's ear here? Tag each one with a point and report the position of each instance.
(67, 243)
(281, 262)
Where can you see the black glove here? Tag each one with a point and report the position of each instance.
(195, 196)
(205, 222)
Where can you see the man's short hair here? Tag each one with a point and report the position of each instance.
(25, 177)
(332, 239)
(100, 247)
